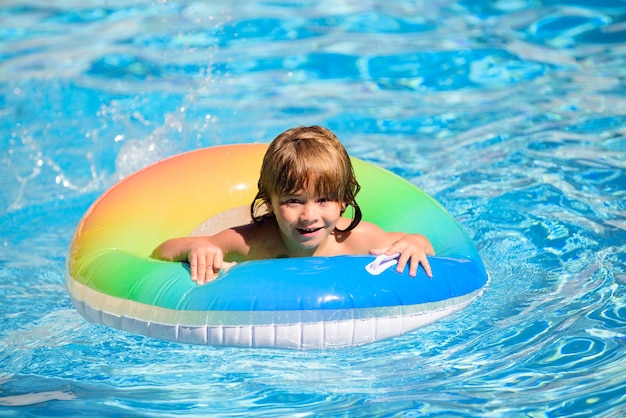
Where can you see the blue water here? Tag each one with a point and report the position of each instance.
(511, 113)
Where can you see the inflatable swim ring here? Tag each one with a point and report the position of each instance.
(314, 302)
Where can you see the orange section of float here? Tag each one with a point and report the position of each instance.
(155, 208)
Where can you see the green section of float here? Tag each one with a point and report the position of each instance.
(395, 204)
(127, 276)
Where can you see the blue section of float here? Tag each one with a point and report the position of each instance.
(296, 284)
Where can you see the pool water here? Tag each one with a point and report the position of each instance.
(511, 113)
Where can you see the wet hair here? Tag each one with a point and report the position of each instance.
(307, 159)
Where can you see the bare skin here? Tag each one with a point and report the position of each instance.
(304, 225)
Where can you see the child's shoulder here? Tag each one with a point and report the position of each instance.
(258, 240)
(365, 227)
(361, 239)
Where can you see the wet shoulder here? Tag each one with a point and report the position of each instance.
(261, 240)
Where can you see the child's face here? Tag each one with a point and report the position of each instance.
(305, 220)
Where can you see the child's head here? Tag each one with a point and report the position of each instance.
(309, 159)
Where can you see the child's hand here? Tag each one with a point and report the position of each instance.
(205, 259)
(413, 248)
(205, 262)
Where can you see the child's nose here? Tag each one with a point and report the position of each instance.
(309, 211)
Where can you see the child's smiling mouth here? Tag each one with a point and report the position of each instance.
(308, 231)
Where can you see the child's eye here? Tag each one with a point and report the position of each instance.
(325, 200)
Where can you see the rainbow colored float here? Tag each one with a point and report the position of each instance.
(315, 302)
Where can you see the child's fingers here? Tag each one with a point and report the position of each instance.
(216, 265)
(413, 260)
(402, 262)
(423, 260)
(193, 267)
(426, 266)
(213, 265)
(413, 266)
(201, 270)
(204, 265)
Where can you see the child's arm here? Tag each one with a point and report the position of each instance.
(413, 249)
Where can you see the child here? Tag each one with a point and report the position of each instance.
(306, 183)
